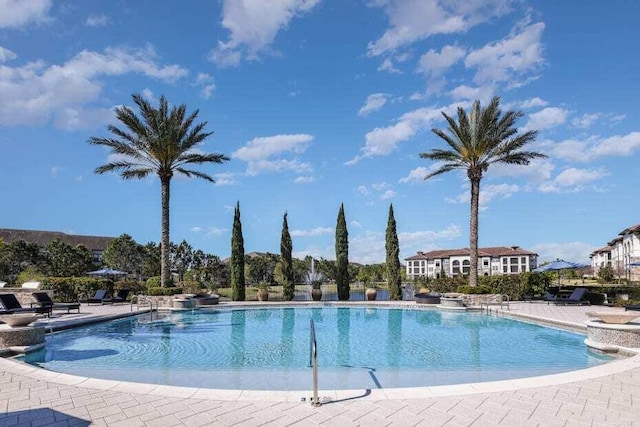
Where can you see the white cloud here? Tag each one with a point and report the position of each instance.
(509, 59)
(374, 102)
(362, 189)
(304, 180)
(209, 231)
(487, 194)
(318, 231)
(546, 119)
(413, 20)
(18, 13)
(253, 26)
(585, 121)
(415, 175)
(389, 194)
(223, 179)
(260, 153)
(594, 147)
(78, 118)
(572, 180)
(387, 65)
(434, 64)
(206, 84)
(427, 237)
(97, 20)
(379, 186)
(568, 251)
(382, 141)
(34, 93)
(537, 170)
(464, 92)
(533, 103)
(6, 55)
(55, 171)
(355, 224)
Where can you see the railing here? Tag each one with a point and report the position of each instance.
(502, 300)
(313, 362)
(142, 299)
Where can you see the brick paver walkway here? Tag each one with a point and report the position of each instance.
(611, 397)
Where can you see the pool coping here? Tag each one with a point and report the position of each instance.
(610, 368)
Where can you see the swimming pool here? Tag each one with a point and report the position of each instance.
(358, 347)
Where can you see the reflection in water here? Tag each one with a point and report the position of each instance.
(288, 324)
(394, 336)
(344, 350)
(238, 324)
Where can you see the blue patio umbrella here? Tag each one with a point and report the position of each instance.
(558, 265)
(634, 264)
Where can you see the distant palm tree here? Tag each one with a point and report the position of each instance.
(477, 140)
(158, 141)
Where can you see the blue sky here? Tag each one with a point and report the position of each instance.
(320, 102)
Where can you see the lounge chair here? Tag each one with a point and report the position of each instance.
(550, 295)
(120, 297)
(575, 298)
(632, 307)
(11, 303)
(44, 300)
(99, 298)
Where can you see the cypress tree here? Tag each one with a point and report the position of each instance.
(342, 256)
(237, 258)
(393, 261)
(286, 246)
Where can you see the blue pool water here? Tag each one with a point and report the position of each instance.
(357, 348)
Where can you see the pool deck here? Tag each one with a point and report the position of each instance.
(605, 395)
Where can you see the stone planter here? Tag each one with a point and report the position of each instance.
(316, 294)
(371, 294)
(207, 300)
(610, 337)
(183, 303)
(24, 337)
(263, 295)
(451, 302)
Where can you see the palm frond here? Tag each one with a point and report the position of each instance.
(136, 173)
(442, 155)
(190, 173)
(444, 169)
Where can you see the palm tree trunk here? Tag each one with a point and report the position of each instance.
(473, 231)
(165, 265)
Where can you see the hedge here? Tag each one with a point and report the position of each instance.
(69, 289)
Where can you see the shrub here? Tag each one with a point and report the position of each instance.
(160, 291)
(135, 286)
(75, 288)
(154, 282)
(480, 289)
(190, 286)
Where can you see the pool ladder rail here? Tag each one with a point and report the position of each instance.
(503, 300)
(313, 362)
(143, 300)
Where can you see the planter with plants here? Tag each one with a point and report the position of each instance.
(263, 291)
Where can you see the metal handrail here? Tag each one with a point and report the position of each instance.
(313, 362)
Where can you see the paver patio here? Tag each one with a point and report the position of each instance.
(606, 395)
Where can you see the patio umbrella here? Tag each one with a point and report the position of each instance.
(634, 264)
(558, 265)
(107, 272)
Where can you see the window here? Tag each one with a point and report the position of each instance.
(485, 262)
(422, 270)
(514, 260)
(505, 269)
(514, 268)
(523, 260)
(504, 260)
(465, 266)
(456, 267)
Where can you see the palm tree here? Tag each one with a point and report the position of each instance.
(477, 140)
(159, 141)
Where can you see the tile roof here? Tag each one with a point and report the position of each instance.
(601, 250)
(632, 229)
(494, 251)
(42, 238)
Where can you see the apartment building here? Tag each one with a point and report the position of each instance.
(620, 253)
(492, 261)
